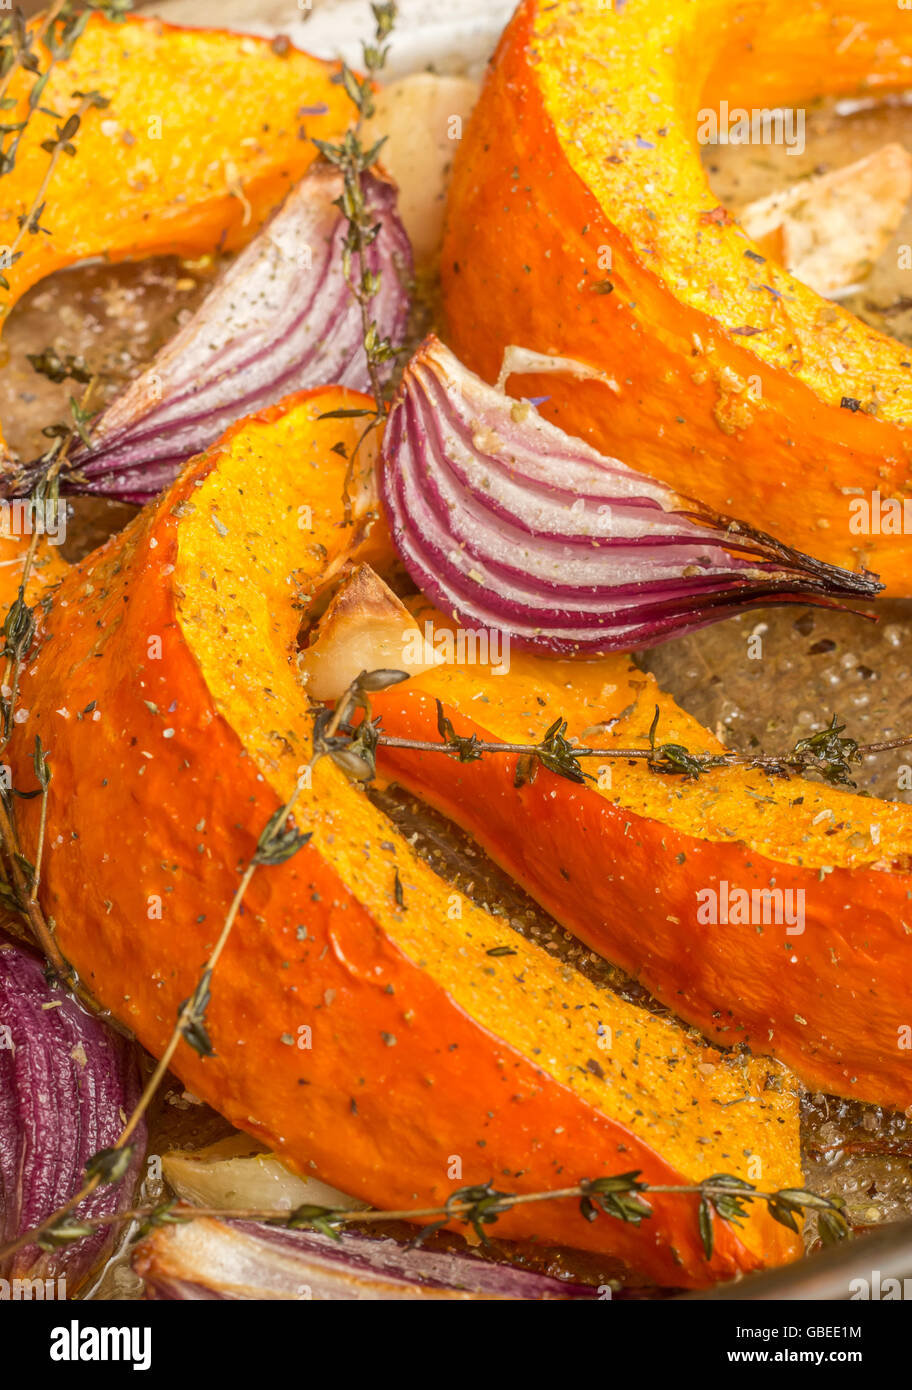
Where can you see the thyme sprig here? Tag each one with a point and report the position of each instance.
(36, 49)
(22, 49)
(353, 747)
(20, 889)
(353, 159)
(20, 626)
(60, 143)
(56, 30)
(619, 1196)
(827, 754)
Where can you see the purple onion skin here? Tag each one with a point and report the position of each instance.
(281, 318)
(208, 1259)
(67, 1083)
(507, 523)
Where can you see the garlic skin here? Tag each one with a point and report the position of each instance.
(238, 1173)
(829, 230)
(365, 628)
(422, 117)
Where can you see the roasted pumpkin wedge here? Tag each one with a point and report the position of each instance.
(186, 156)
(766, 912)
(581, 223)
(368, 1022)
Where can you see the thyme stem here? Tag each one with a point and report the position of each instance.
(40, 34)
(40, 929)
(583, 751)
(26, 221)
(619, 1196)
(826, 753)
(39, 849)
(353, 161)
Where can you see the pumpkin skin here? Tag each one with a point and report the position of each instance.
(580, 223)
(173, 164)
(423, 1046)
(633, 867)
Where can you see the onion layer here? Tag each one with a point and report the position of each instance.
(506, 522)
(67, 1082)
(281, 318)
(209, 1259)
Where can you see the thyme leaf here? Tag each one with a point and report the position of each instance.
(110, 1165)
(278, 840)
(464, 746)
(64, 1233)
(313, 1217)
(49, 363)
(162, 1215)
(828, 754)
(352, 159)
(192, 1016)
(617, 1196)
(558, 755)
(705, 1221)
(42, 769)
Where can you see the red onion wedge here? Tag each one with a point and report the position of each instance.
(205, 1259)
(507, 523)
(281, 318)
(67, 1083)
